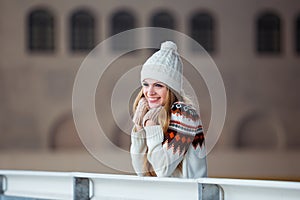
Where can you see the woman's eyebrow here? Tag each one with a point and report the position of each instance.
(158, 82)
(161, 83)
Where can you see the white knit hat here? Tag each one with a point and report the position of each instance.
(165, 65)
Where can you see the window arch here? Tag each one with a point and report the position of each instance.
(202, 30)
(297, 33)
(121, 21)
(257, 131)
(268, 32)
(82, 25)
(63, 134)
(162, 19)
(40, 23)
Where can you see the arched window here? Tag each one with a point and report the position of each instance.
(122, 21)
(63, 134)
(82, 31)
(162, 19)
(40, 25)
(258, 131)
(268, 33)
(297, 34)
(202, 30)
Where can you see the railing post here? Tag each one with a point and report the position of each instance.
(209, 192)
(1, 184)
(82, 188)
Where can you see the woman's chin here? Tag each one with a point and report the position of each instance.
(153, 105)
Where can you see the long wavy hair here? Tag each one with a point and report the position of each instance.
(163, 119)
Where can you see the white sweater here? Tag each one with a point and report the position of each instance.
(183, 142)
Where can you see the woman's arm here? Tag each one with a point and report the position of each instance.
(138, 151)
(167, 150)
(162, 159)
(196, 166)
(138, 146)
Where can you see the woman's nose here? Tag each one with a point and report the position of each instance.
(151, 90)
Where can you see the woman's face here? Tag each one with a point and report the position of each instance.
(155, 92)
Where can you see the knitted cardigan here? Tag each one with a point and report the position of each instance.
(183, 142)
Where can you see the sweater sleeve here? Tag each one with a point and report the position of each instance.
(138, 151)
(167, 150)
(163, 161)
(195, 159)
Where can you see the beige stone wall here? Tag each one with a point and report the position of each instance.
(262, 91)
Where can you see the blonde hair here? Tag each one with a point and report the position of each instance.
(163, 119)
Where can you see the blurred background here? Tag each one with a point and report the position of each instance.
(254, 43)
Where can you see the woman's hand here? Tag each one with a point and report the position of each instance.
(141, 109)
(151, 117)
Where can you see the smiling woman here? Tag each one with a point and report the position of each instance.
(167, 139)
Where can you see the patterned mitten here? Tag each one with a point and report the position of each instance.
(140, 111)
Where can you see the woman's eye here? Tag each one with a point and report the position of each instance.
(159, 85)
(145, 84)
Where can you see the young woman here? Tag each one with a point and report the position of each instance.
(167, 139)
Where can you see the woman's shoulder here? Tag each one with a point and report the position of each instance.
(184, 109)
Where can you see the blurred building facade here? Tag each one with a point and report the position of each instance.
(255, 44)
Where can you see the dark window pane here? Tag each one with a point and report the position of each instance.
(122, 21)
(40, 31)
(202, 30)
(163, 20)
(268, 33)
(297, 37)
(82, 31)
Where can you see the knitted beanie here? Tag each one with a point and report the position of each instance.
(165, 66)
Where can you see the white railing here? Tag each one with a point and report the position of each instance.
(62, 185)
